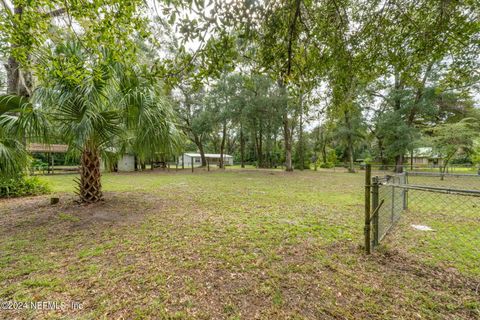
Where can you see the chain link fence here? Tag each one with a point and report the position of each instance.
(433, 216)
(386, 169)
(391, 201)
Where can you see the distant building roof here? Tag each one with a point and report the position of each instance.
(207, 155)
(425, 152)
(52, 148)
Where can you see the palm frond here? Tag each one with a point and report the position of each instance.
(14, 159)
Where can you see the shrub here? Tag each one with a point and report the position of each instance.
(327, 165)
(21, 185)
(331, 160)
(39, 165)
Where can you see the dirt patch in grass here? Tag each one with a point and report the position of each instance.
(22, 215)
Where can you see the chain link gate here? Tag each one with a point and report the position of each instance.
(426, 194)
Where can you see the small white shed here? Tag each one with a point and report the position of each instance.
(196, 158)
(126, 163)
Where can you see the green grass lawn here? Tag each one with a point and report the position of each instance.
(237, 244)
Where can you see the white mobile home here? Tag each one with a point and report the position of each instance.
(196, 158)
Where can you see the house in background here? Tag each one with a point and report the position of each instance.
(425, 157)
(213, 159)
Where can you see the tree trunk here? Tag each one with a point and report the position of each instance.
(351, 167)
(202, 155)
(300, 138)
(199, 145)
(222, 146)
(443, 169)
(411, 160)
(242, 148)
(383, 161)
(399, 163)
(397, 106)
(288, 144)
(260, 147)
(13, 75)
(287, 137)
(12, 66)
(90, 187)
(288, 156)
(18, 82)
(323, 141)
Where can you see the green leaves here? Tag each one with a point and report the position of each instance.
(14, 159)
(97, 23)
(109, 106)
(12, 103)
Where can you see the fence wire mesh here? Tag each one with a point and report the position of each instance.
(391, 200)
(430, 215)
(449, 180)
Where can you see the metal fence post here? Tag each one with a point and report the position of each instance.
(368, 181)
(375, 203)
(405, 192)
(192, 163)
(393, 204)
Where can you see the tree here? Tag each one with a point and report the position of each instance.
(423, 43)
(195, 119)
(450, 138)
(26, 25)
(14, 158)
(98, 103)
(224, 104)
(25, 28)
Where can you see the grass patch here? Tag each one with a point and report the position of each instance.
(229, 245)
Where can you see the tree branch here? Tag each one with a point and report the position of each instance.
(55, 13)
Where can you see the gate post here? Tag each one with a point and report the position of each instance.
(375, 203)
(368, 178)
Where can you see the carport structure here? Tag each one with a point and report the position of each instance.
(49, 150)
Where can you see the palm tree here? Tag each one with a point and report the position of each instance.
(18, 119)
(98, 104)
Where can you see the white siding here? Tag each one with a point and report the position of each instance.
(126, 163)
(197, 162)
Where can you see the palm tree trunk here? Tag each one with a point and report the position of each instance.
(90, 186)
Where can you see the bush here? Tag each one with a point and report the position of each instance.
(331, 160)
(21, 186)
(327, 165)
(39, 165)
